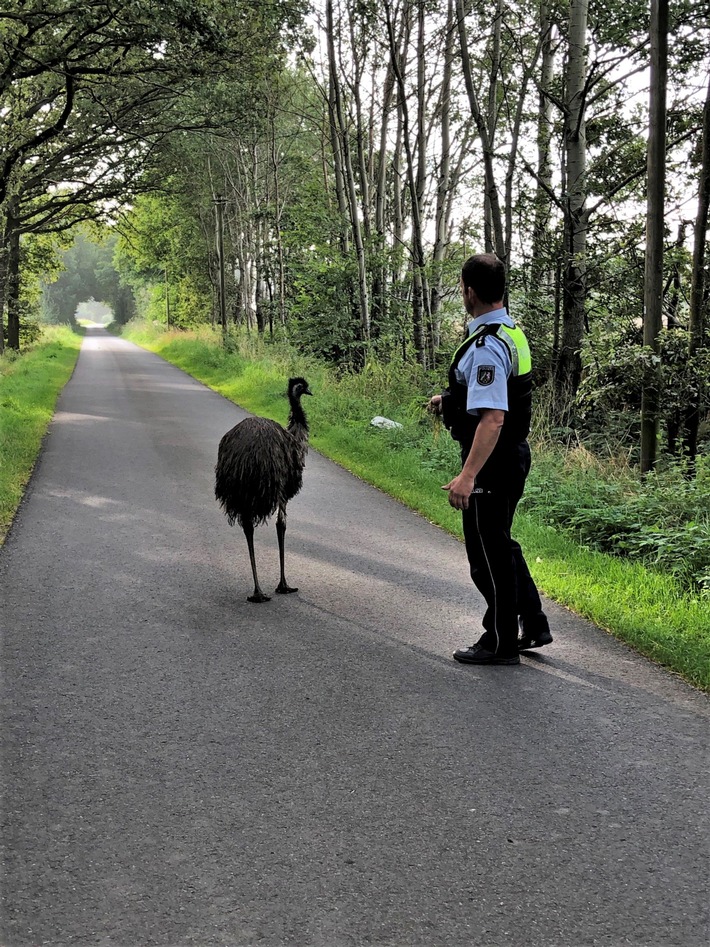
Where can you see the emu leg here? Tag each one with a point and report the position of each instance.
(282, 588)
(258, 595)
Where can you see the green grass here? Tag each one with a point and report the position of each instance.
(649, 610)
(29, 387)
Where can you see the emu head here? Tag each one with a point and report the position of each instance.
(297, 387)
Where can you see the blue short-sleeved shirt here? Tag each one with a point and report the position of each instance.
(485, 369)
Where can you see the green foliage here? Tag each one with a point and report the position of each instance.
(162, 256)
(321, 308)
(608, 402)
(662, 521)
(29, 387)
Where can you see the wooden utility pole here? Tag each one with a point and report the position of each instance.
(167, 299)
(653, 282)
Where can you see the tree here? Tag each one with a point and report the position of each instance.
(88, 92)
(656, 179)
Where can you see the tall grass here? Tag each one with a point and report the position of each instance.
(660, 612)
(29, 387)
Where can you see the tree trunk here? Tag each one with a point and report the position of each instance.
(492, 120)
(696, 325)
(696, 322)
(541, 274)
(380, 304)
(421, 288)
(674, 283)
(421, 136)
(514, 133)
(338, 167)
(443, 204)
(347, 167)
(277, 227)
(397, 203)
(379, 283)
(653, 277)
(363, 170)
(260, 278)
(13, 280)
(492, 202)
(4, 260)
(420, 299)
(574, 291)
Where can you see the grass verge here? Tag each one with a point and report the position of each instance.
(648, 610)
(29, 387)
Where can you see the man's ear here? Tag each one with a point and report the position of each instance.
(470, 295)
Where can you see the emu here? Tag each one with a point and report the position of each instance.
(259, 469)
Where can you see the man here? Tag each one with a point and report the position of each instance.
(487, 408)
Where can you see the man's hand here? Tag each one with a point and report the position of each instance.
(485, 439)
(435, 404)
(460, 489)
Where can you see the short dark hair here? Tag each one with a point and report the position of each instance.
(485, 275)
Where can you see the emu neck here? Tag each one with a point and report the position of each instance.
(297, 423)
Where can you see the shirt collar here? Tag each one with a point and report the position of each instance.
(490, 318)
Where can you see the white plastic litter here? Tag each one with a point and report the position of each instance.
(385, 423)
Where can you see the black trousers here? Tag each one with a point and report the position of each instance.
(498, 567)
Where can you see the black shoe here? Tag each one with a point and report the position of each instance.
(477, 654)
(527, 642)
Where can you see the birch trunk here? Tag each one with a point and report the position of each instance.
(492, 119)
(363, 169)
(277, 227)
(421, 286)
(398, 223)
(379, 285)
(491, 192)
(338, 166)
(443, 202)
(518, 113)
(420, 297)
(343, 136)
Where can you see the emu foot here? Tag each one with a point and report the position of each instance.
(283, 589)
(258, 597)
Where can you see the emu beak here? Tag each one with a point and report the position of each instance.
(307, 391)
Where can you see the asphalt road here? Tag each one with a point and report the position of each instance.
(181, 767)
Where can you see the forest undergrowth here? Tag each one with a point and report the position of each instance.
(631, 555)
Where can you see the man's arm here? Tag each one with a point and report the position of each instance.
(485, 439)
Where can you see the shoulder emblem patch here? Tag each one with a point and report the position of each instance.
(486, 375)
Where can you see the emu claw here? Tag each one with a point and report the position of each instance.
(283, 589)
(259, 597)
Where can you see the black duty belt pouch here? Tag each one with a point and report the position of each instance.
(455, 420)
